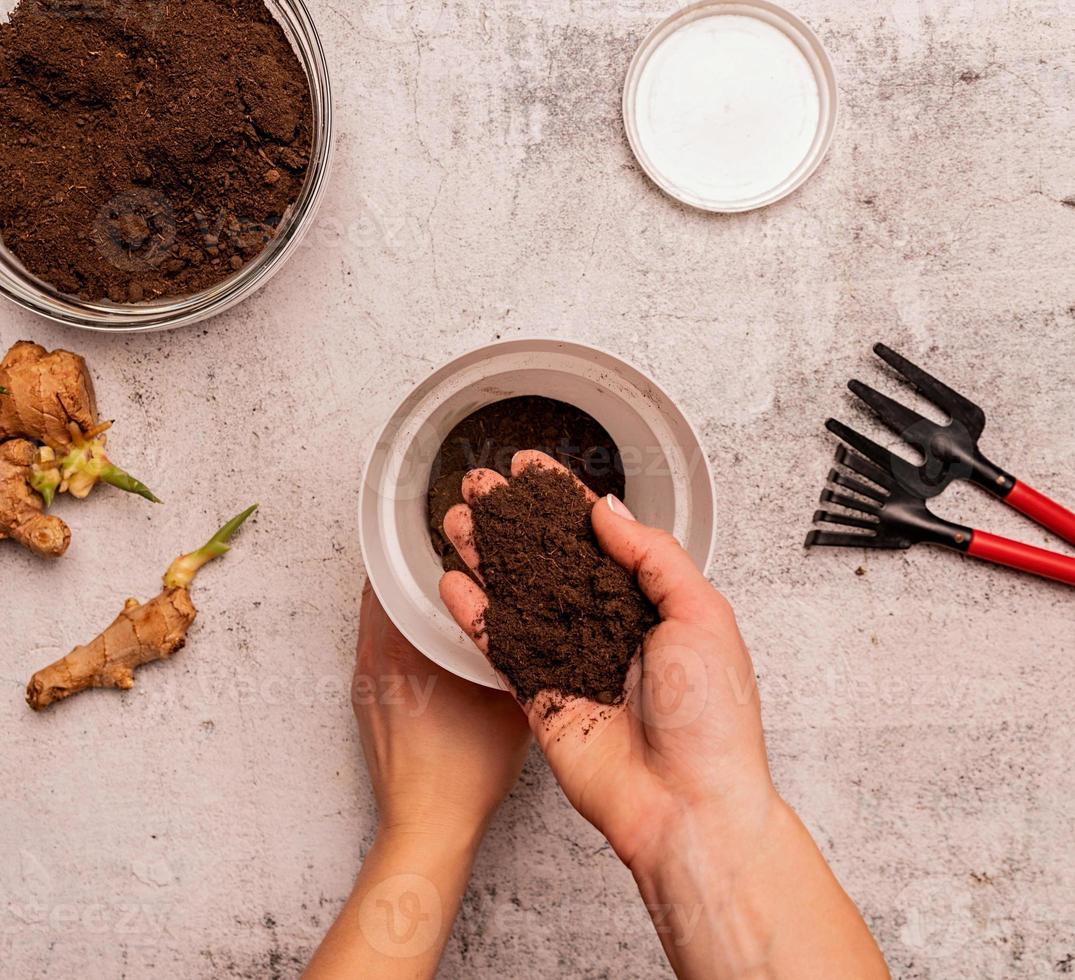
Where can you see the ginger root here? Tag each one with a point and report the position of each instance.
(48, 398)
(139, 635)
(43, 394)
(22, 516)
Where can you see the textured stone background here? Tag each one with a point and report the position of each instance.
(209, 823)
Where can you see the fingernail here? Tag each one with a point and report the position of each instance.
(618, 507)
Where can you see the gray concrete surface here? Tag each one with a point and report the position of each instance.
(209, 823)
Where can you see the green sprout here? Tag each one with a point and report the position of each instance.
(182, 571)
(45, 476)
(87, 464)
(115, 477)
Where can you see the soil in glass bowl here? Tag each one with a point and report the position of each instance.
(148, 148)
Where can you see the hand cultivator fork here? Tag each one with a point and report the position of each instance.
(951, 451)
(893, 504)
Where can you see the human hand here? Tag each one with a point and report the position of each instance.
(676, 776)
(687, 740)
(442, 752)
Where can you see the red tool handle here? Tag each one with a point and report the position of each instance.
(1048, 513)
(1004, 551)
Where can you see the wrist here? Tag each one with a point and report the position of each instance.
(702, 850)
(432, 816)
(722, 835)
(452, 838)
(753, 899)
(699, 886)
(713, 887)
(405, 898)
(438, 858)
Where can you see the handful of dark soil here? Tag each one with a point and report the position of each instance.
(492, 435)
(148, 148)
(562, 614)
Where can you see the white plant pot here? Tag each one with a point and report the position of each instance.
(668, 483)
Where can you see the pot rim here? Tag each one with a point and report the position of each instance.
(368, 513)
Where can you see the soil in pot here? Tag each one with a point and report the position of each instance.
(490, 437)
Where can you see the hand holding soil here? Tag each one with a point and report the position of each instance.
(688, 718)
(674, 773)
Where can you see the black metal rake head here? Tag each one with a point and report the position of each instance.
(950, 450)
(892, 517)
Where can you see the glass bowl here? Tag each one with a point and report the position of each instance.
(31, 293)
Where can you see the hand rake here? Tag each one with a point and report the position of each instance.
(890, 516)
(950, 450)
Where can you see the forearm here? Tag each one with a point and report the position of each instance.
(763, 907)
(398, 918)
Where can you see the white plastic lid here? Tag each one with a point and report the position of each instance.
(730, 106)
